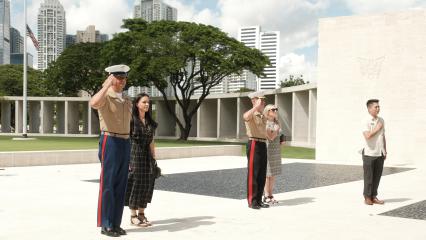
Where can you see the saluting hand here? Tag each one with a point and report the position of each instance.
(258, 103)
(109, 81)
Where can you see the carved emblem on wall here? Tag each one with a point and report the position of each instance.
(370, 68)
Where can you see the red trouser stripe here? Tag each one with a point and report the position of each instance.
(101, 184)
(250, 180)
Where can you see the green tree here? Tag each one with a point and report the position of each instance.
(293, 81)
(79, 67)
(11, 81)
(187, 56)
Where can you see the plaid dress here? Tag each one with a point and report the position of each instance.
(140, 185)
(274, 154)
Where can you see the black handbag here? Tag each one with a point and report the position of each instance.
(282, 138)
(156, 169)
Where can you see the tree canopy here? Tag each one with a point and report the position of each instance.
(79, 67)
(293, 81)
(11, 81)
(188, 57)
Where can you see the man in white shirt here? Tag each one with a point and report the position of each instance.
(374, 153)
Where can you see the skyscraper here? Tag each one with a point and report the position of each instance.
(70, 40)
(4, 31)
(51, 25)
(90, 35)
(268, 44)
(16, 41)
(154, 10)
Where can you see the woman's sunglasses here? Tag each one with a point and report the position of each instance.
(274, 109)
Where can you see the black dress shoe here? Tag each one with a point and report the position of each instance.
(120, 231)
(109, 232)
(263, 205)
(255, 206)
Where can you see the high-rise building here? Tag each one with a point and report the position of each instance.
(154, 10)
(4, 31)
(90, 35)
(18, 58)
(51, 26)
(268, 44)
(16, 41)
(70, 40)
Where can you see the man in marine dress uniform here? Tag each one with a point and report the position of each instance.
(114, 148)
(256, 151)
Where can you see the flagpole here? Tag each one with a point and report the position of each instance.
(24, 111)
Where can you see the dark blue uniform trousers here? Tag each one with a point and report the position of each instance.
(256, 171)
(114, 154)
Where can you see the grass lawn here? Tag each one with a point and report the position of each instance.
(74, 143)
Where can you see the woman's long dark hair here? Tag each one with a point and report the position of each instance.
(148, 115)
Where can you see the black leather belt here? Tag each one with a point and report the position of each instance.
(258, 139)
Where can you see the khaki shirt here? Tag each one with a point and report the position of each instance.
(374, 146)
(115, 114)
(256, 126)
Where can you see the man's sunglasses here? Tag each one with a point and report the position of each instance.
(120, 76)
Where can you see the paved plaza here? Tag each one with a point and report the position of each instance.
(204, 198)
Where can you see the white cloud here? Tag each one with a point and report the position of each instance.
(294, 64)
(295, 19)
(380, 6)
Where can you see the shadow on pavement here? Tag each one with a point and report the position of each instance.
(393, 200)
(175, 224)
(293, 202)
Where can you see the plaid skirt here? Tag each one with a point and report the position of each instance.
(140, 185)
(274, 158)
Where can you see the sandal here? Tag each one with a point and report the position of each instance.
(272, 200)
(144, 220)
(266, 199)
(134, 220)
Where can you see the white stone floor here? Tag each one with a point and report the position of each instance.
(53, 202)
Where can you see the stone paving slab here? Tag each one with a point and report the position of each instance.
(414, 211)
(55, 202)
(231, 183)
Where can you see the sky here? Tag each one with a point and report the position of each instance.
(297, 20)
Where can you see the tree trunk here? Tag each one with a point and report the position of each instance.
(184, 132)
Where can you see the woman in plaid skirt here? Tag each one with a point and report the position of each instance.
(140, 186)
(274, 152)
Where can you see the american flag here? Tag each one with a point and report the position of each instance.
(31, 35)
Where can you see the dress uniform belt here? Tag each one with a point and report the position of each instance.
(258, 139)
(119, 135)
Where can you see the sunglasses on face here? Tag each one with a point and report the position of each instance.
(120, 76)
(274, 109)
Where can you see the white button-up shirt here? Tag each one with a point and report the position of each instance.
(375, 146)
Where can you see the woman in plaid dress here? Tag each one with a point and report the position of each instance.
(140, 186)
(274, 152)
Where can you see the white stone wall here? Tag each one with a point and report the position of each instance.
(363, 57)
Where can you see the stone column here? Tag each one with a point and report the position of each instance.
(312, 116)
(47, 116)
(60, 117)
(6, 116)
(34, 112)
(18, 116)
(72, 117)
(284, 103)
(300, 117)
